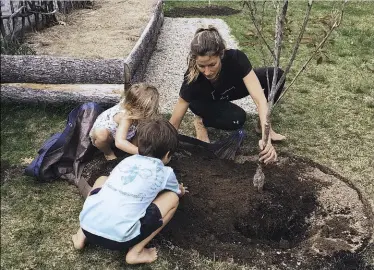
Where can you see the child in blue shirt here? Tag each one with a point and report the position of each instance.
(140, 196)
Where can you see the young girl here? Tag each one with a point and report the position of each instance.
(118, 123)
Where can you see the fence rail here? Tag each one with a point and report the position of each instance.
(19, 16)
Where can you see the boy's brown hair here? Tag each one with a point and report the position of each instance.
(156, 138)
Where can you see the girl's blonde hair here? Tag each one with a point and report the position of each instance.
(206, 42)
(141, 101)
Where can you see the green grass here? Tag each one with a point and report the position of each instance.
(15, 48)
(328, 116)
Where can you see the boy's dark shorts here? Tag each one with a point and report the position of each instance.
(149, 223)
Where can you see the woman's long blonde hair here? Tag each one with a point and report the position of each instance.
(141, 101)
(206, 42)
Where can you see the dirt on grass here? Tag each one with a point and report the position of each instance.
(305, 218)
(109, 29)
(212, 10)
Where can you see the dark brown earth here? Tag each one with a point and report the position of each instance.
(225, 218)
(212, 10)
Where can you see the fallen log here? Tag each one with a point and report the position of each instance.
(51, 69)
(105, 95)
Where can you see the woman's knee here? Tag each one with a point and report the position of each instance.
(238, 118)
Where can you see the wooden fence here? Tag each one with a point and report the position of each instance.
(20, 16)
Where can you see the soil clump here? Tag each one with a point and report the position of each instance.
(212, 10)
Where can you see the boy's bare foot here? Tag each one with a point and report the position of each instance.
(201, 131)
(146, 255)
(111, 156)
(78, 241)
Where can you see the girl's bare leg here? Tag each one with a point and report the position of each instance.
(167, 202)
(79, 239)
(201, 131)
(102, 138)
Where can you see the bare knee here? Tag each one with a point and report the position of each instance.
(102, 135)
(100, 181)
(167, 201)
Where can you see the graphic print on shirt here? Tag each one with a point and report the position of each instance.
(159, 179)
(139, 196)
(131, 172)
(224, 94)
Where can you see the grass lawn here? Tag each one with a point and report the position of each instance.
(328, 116)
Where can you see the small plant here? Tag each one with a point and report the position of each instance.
(15, 48)
(282, 29)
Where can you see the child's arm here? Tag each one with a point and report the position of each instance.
(173, 185)
(121, 141)
(183, 190)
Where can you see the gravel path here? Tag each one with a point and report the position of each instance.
(168, 63)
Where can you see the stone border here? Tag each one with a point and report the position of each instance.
(65, 70)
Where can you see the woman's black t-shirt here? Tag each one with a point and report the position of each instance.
(229, 85)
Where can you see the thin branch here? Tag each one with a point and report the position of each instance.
(277, 49)
(335, 25)
(296, 47)
(253, 18)
(43, 13)
(11, 19)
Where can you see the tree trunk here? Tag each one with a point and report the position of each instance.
(47, 69)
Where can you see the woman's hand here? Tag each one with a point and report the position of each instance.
(268, 153)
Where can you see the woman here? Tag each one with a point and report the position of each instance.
(216, 76)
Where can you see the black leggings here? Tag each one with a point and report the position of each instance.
(226, 115)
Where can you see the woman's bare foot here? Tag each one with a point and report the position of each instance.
(276, 137)
(111, 156)
(146, 255)
(201, 131)
(79, 239)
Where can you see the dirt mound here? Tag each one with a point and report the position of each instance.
(303, 217)
(201, 11)
(109, 30)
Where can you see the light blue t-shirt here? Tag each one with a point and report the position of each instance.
(115, 211)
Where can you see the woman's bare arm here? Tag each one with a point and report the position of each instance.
(254, 88)
(179, 111)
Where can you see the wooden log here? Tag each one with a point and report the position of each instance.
(18, 73)
(105, 95)
(139, 56)
(48, 69)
